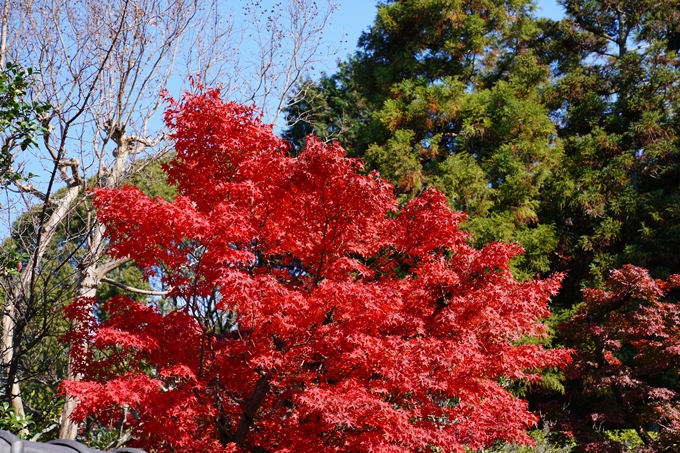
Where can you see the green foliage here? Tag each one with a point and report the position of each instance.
(438, 110)
(464, 182)
(11, 258)
(331, 109)
(19, 124)
(560, 136)
(150, 178)
(16, 424)
(99, 437)
(128, 274)
(42, 399)
(615, 197)
(435, 39)
(628, 439)
(545, 442)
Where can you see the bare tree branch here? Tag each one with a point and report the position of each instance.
(135, 290)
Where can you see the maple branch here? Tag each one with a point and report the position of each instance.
(252, 405)
(135, 290)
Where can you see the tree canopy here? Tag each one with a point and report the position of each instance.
(312, 313)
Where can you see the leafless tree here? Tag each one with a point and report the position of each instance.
(102, 66)
(284, 53)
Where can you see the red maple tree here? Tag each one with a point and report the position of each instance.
(310, 313)
(627, 362)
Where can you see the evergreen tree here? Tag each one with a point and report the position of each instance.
(332, 109)
(615, 199)
(448, 94)
(482, 100)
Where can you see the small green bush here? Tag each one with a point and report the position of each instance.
(543, 444)
(14, 423)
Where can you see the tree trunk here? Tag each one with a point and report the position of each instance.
(87, 287)
(24, 294)
(249, 412)
(3, 33)
(91, 274)
(13, 393)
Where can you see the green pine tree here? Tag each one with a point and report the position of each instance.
(615, 199)
(449, 94)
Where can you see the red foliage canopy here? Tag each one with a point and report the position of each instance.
(309, 314)
(627, 361)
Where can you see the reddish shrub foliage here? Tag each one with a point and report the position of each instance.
(627, 361)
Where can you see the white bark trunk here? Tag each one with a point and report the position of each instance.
(22, 294)
(8, 325)
(87, 287)
(90, 277)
